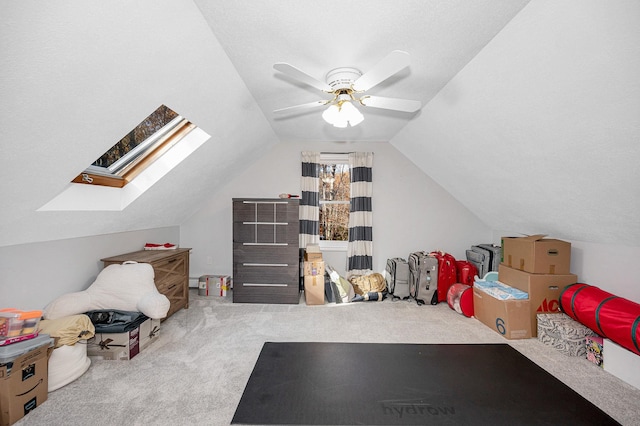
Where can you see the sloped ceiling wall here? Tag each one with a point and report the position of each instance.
(77, 76)
(540, 133)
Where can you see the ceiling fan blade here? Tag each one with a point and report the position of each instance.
(301, 106)
(405, 105)
(391, 64)
(302, 76)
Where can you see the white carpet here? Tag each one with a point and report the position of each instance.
(195, 371)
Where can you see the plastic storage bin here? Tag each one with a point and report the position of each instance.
(10, 352)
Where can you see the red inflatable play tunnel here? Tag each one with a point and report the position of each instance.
(610, 316)
(460, 299)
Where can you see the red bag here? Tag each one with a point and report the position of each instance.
(466, 271)
(608, 315)
(447, 275)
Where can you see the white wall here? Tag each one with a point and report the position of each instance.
(410, 211)
(34, 274)
(607, 266)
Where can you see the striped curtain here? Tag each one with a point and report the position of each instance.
(360, 247)
(309, 210)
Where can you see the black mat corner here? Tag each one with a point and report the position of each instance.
(407, 384)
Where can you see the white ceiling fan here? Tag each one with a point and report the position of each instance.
(348, 85)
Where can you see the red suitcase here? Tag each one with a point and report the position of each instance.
(447, 275)
(466, 271)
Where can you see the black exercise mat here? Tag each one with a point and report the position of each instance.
(407, 384)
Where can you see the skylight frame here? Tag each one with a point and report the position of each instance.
(133, 162)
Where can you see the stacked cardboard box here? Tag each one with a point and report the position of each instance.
(313, 276)
(537, 266)
(23, 377)
(541, 267)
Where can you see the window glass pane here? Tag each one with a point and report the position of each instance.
(334, 182)
(154, 122)
(334, 222)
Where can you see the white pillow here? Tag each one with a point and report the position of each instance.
(126, 287)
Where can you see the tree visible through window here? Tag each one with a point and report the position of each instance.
(334, 200)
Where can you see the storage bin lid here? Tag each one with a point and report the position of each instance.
(10, 352)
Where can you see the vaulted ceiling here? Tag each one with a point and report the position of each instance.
(530, 116)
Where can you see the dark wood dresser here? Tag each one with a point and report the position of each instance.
(171, 269)
(266, 265)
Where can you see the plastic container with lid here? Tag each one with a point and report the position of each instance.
(10, 352)
(14, 322)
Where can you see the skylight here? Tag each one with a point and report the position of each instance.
(130, 167)
(162, 129)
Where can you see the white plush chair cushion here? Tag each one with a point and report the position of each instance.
(126, 287)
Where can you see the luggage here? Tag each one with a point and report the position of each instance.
(465, 271)
(423, 276)
(397, 276)
(485, 257)
(447, 275)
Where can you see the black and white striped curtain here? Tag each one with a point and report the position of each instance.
(309, 200)
(360, 247)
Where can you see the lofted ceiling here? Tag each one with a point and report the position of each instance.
(441, 37)
(530, 112)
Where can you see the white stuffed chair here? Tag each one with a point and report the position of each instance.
(126, 287)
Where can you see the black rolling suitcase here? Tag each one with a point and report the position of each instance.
(397, 276)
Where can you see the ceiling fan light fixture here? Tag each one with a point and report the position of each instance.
(342, 114)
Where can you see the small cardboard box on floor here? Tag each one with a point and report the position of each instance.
(125, 345)
(536, 254)
(24, 384)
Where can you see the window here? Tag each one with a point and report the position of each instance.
(129, 168)
(146, 142)
(334, 200)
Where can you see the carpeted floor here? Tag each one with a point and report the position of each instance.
(196, 370)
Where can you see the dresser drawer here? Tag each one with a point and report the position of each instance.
(265, 233)
(265, 211)
(261, 273)
(243, 253)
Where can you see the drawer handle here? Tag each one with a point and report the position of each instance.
(263, 285)
(171, 287)
(171, 260)
(265, 244)
(265, 264)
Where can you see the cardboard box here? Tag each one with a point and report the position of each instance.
(149, 331)
(24, 384)
(543, 289)
(115, 346)
(314, 267)
(314, 289)
(214, 285)
(595, 352)
(507, 317)
(563, 333)
(537, 254)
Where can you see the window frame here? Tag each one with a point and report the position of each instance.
(333, 158)
(134, 162)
